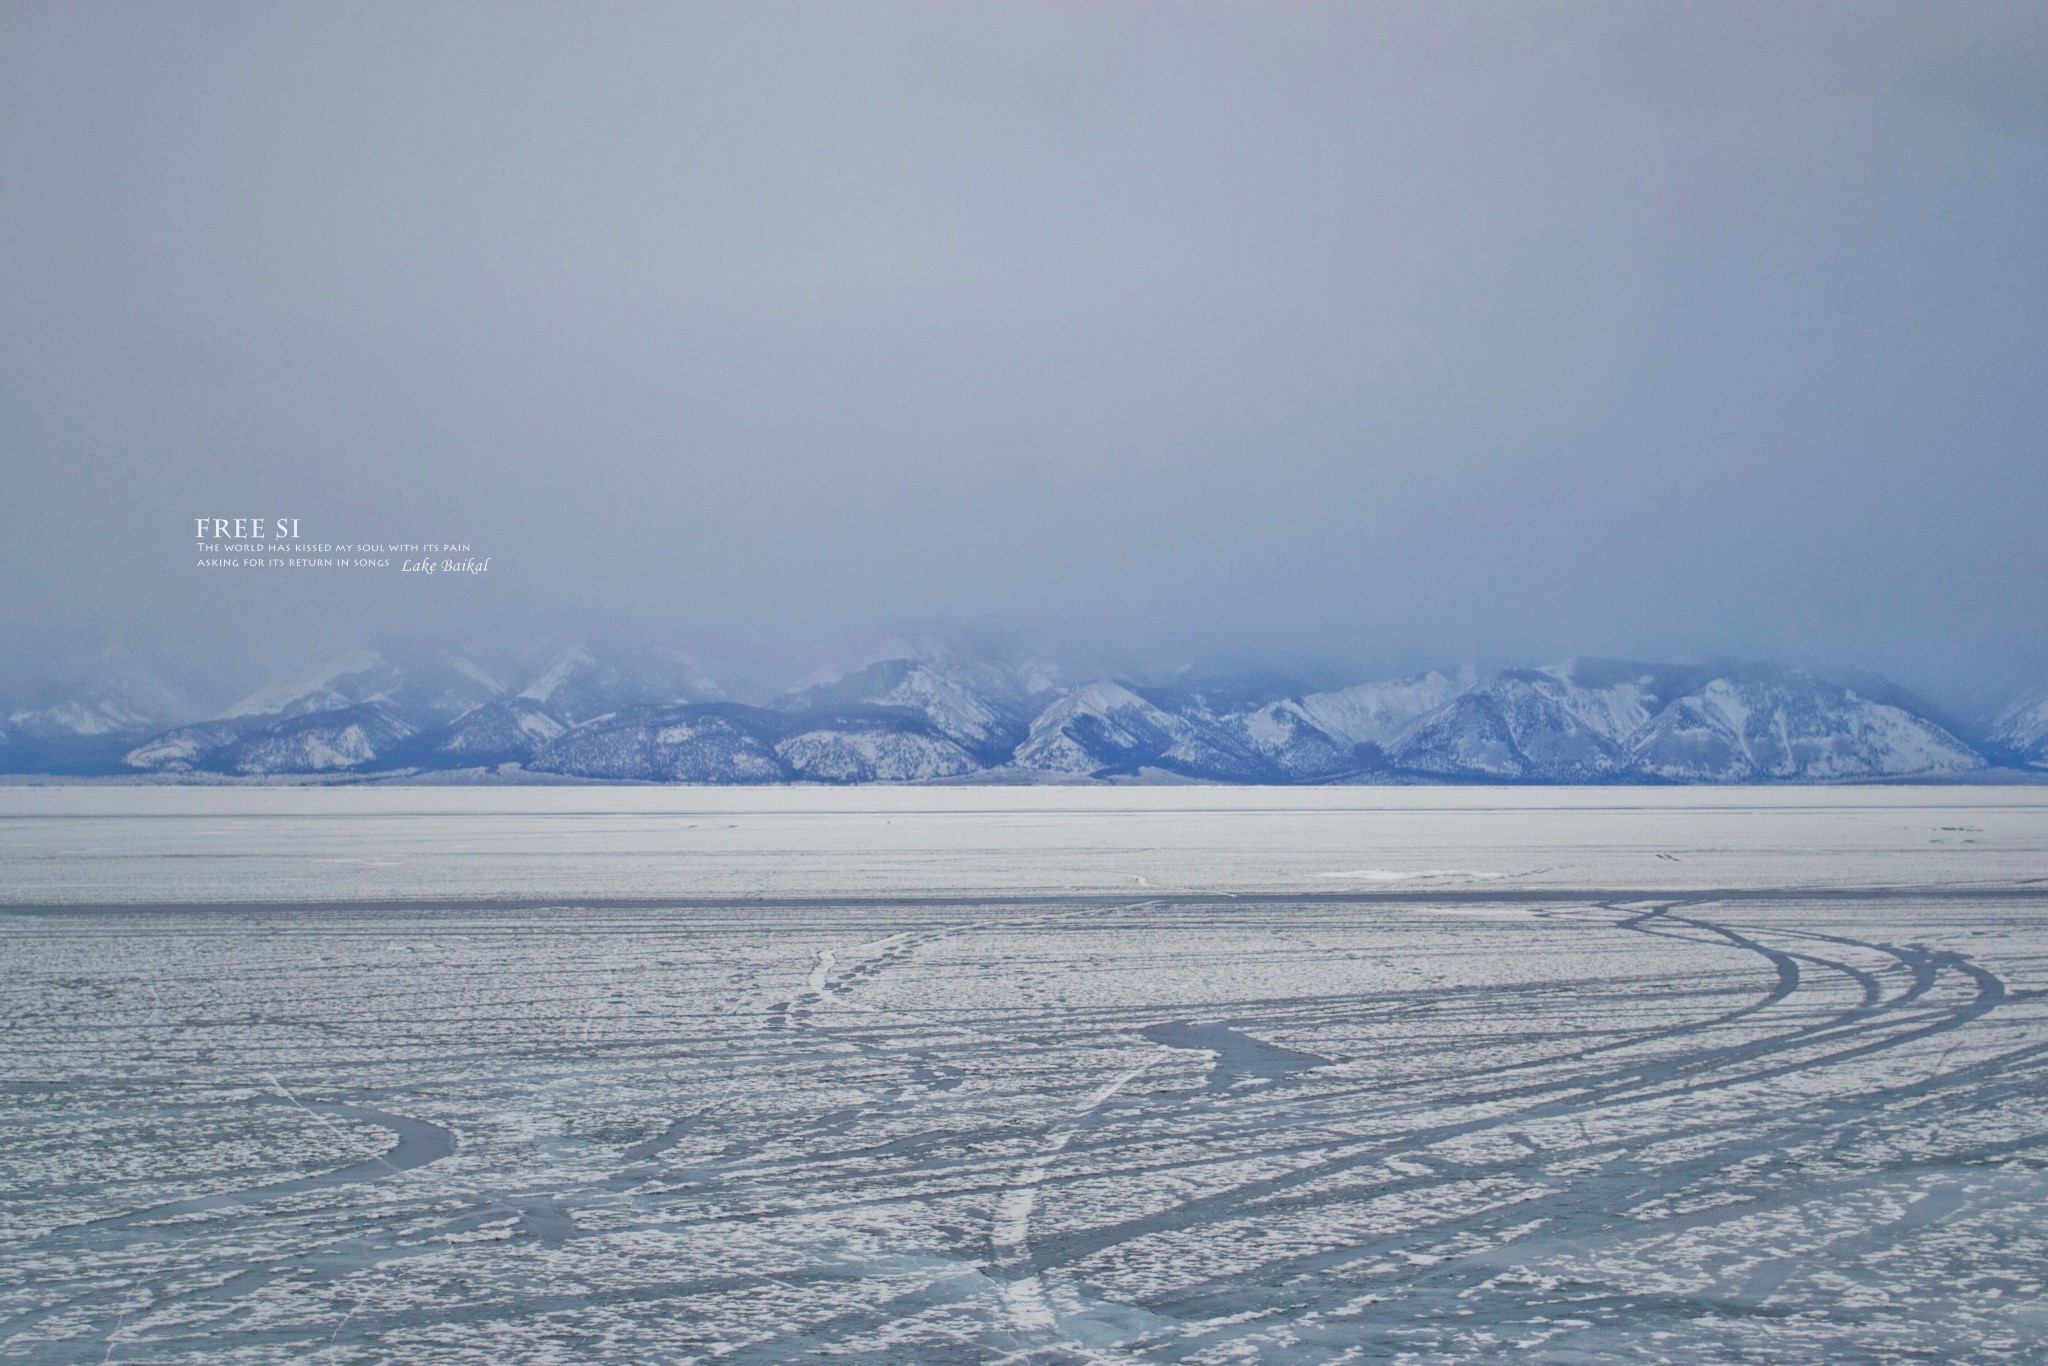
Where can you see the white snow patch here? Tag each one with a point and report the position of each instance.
(557, 673)
(280, 696)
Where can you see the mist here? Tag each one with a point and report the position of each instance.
(1384, 335)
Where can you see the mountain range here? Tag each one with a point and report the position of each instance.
(613, 713)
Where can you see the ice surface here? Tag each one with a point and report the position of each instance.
(295, 844)
(1027, 1075)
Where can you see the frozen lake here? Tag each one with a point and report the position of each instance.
(1044, 1075)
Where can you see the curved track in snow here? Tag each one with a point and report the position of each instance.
(1481, 1126)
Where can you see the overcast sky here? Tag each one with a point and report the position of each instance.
(1373, 332)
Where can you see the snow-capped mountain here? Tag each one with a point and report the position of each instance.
(1106, 729)
(90, 717)
(931, 717)
(375, 711)
(1585, 721)
(677, 744)
(1293, 746)
(318, 742)
(80, 721)
(1787, 726)
(729, 743)
(559, 690)
(1567, 723)
(185, 749)
(505, 730)
(1373, 713)
(1521, 726)
(358, 710)
(586, 680)
(1327, 735)
(857, 749)
(344, 681)
(608, 712)
(1593, 721)
(2020, 729)
(981, 707)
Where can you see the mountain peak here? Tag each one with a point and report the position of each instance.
(565, 664)
(342, 680)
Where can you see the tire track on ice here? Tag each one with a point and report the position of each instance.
(419, 1143)
(1023, 1292)
(1601, 1197)
(1624, 1085)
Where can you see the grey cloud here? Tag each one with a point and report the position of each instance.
(1381, 332)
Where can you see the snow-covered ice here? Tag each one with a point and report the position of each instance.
(964, 1075)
